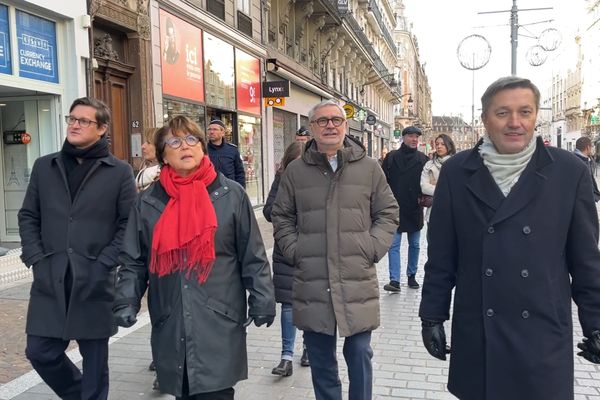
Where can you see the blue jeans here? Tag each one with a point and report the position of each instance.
(288, 332)
(414, 239)
(324, 367)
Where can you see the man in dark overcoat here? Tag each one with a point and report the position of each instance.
(515, 233)
(71, 225)
(402, 170)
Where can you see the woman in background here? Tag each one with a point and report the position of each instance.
(150, 169)
(283, 275)
(444, 149)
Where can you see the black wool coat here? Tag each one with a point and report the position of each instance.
(403, 173)
(85, 233)
(515, 263)
(283, 272)
(193, 324)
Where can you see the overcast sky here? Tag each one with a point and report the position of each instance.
(441, 25)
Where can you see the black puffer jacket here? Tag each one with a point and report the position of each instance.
(283, 273)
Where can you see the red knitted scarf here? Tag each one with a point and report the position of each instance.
(184, 236)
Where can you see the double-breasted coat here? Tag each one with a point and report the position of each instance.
(85, 233)
(515, 262)
(200, 326)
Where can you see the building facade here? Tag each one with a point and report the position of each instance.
(44, 50)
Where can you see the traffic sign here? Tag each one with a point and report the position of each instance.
(274, 101)
(397, 133)
(371, 119)
(349, 109)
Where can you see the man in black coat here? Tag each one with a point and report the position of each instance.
(71, 224)
(514, 232)
(583, 151)
(224, 156)
(402, 170)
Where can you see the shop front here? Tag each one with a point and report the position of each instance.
(205, 77)
(32, 86)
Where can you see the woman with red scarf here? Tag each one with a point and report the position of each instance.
(193, 242)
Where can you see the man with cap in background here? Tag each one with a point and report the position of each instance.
(402, 169)
(303, 135)
(224, 156)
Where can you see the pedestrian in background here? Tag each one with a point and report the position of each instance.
(384, 153)
(150, 169)
(444, 149)
(514, 232)
(283, 274)
(302, 135)
(583, 151)
(402, 170)
(333, 219)
(193, 242)
(225, 156)
(71, 224)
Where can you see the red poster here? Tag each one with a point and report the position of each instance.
(247, 84)
(181, 58)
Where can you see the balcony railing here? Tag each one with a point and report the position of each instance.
(364, 41)
(379, 17)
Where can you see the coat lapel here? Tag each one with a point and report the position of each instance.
(528, 185)
(481, 183)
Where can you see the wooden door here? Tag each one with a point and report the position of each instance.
(113, 91)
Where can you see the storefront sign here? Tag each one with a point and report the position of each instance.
(349, 110)
(36, 39)
(342, 6)
(5, 65)
(247, 82)
(276, 89)
(181, 55)
(371, 119)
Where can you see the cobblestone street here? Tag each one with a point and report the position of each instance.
(402, 367)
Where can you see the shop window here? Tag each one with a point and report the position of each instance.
(219, 72)
(173, 108)
(250, 147)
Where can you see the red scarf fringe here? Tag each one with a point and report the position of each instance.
(183, 238)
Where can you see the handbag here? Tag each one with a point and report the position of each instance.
(425, 200)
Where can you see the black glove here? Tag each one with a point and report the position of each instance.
(434, 338)
(590, 347)
(125, 316)
(259, 320)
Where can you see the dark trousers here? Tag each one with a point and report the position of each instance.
(324, 367)
(225, 394)
(48, 358)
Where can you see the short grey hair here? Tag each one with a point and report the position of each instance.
(325, 103)
(508, 82)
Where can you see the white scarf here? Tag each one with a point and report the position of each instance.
(505, 168)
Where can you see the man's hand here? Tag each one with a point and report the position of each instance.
(590, 347)
(259, 320)
(125, 316)
(434, 338)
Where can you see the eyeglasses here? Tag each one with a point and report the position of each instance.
(175, 142)
(83, 122)
(323, 122)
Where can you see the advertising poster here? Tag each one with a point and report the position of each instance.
(181, 56)
(5, 65)
(36, 40)
(247, 72)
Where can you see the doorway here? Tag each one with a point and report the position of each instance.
(38, 117)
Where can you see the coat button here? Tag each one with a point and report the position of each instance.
(70, 219)
(182, 339)
(185, 286)
(525, 314)
(491, 229)
(526, 230)
(216, 193)
(489, 272)
(524, 273)
(489, 312)
(329, 290)
(70, 250)
(226, 187)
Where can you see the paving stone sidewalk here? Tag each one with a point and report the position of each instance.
(402, 367)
